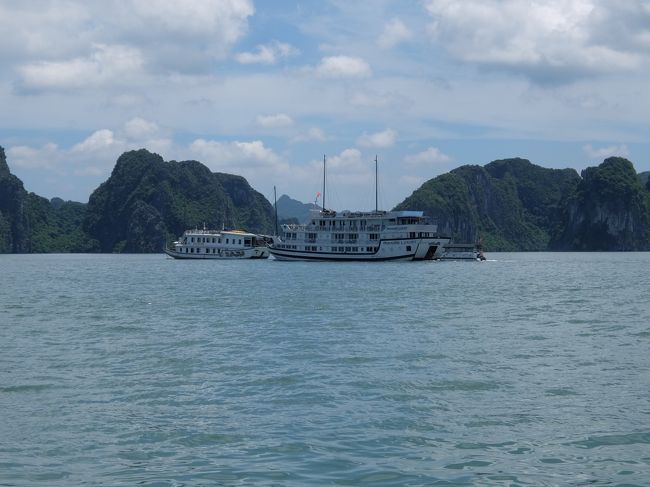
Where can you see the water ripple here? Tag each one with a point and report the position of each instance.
(529, 370)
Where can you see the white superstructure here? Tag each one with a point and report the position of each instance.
(220, 244)
(363, 236)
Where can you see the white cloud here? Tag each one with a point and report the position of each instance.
(219, 18)
(268, 53)
(599, 154)
(222, 156)
(117, 40)
(347, 158)
(343, 67)
(385, 138)
(546, 40)
(431, 156)
(347, 168)
(106, 65)
(278, 120)
(99, 140)
(393, 34)
(139, 129)
(30, 158)
(102, 146)
(313, 134)
(185, 36)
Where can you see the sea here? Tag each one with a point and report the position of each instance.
(528, 369)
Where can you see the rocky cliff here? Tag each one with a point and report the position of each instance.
(610, 210)
(509, 204)
(30, 223)
(148, 202)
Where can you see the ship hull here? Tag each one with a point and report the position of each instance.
(388, 250)
(223, 254)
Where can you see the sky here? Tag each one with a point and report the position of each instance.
(265, 89)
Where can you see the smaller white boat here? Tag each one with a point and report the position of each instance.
(461, 252)
(220, 244)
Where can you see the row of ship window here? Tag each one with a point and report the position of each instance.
(314, 248)
(340, 237)
(351, 224)
(214, 240)
(336, 237)
(213, 250)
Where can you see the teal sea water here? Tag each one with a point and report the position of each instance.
(531, 369)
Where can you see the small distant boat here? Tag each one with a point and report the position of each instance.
(220, 244)
(461, 252)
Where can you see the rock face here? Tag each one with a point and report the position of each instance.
(610, 210)
(509, 204)
(147, 202)
(13, 220)
(30, 223)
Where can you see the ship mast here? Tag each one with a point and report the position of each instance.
(376, 183)
(323, 182)
(275, 204)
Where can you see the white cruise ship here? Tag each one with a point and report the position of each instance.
(220, 244)
(357, 236)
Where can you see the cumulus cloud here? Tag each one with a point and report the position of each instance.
(346, 168)
(97, 153)
(45, 157)
(313, 134)
(430, 156)
(134, 134)
(393, 34)
(267, 53)
(139, 129)
(116, 40)
(185, 36)
(278, 120)
(98, 141)
(343, 67)
(599, 154)
(221, 156)
(347, 158)
(385, 138)
(546, 40)
(106, 64)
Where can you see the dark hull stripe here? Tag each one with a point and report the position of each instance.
(330, 257)
(216, 256)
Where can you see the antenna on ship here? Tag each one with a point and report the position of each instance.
(323, 182)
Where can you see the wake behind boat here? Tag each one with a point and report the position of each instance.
(219, 244)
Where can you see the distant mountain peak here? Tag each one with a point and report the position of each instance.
(4, 167)
(288, 208)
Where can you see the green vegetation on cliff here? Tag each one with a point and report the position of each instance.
(30, 223)
(610, 210)
(147, 202)
(509, 204)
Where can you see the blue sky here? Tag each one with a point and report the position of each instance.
(264, 89)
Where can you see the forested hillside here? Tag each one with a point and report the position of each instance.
(509, 205)
(147, 202)
(513, 204)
